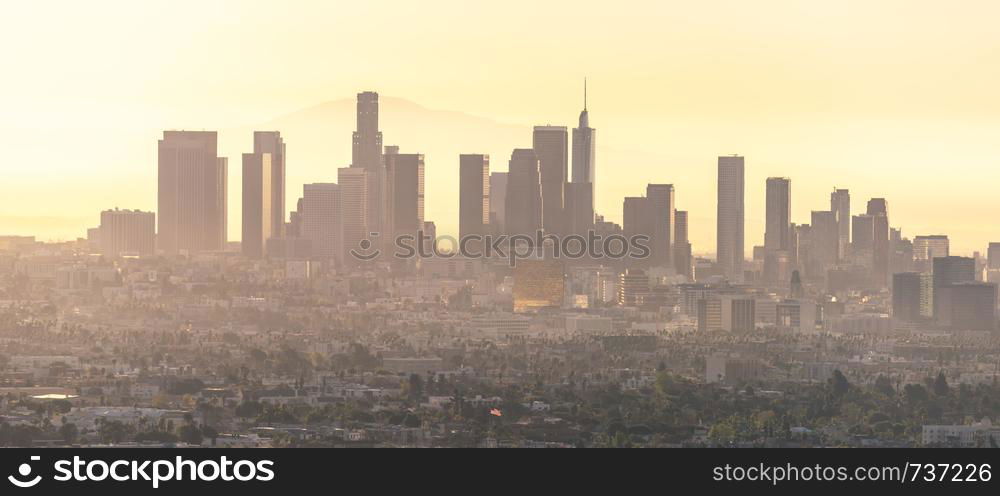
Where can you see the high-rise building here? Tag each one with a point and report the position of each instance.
(353, 184)
(682, 245)
(258, 203)
(321, 221)
(584, 151)
(473, 194)
(498, 201)
(638, 220)
(778, 221)
(878, 209)
(927, 248)
(524, 196)
(993, 256)
(730, 234)
(825, 239)
(405, 193)
(633, 288)
(840, 202)
(127, 233)
(366, 153)
(660, 199)
(551, 145)
(912, 296)
(949, 271)
(192, 190)
(272, 143)
(579, 209)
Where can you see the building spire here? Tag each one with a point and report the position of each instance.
(585, 93)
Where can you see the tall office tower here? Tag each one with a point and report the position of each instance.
(878, 208)
(271, 142)
(524, 194)
(366, 153)
(682, 245)
(353, 183)
(579, 208)
(473, 194)
(551, 145)
(660, 198)
(949, 271)
(584, 150)
(258, 203)
(927, 248)
(912, 296)
(638, 220)
(192, 192)
(778, 222)
(993, 256)
(863, 237)
(406, 173)
(729, 234)
(367, 139)
(498, 201)
(321, 221)
(840, 202)
(294, 227)
(825, 239)
(127, 233)
(633, 288)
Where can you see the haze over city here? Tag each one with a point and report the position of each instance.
(891, 100)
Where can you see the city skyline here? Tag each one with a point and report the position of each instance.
(866, 108)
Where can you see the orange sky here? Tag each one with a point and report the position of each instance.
(889, 98)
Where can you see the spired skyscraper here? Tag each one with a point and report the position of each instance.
(584, 168)
(729, 231)
(367, 153)
(551, 145)
(192, 191)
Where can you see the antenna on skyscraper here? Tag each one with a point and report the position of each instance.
(584, 93)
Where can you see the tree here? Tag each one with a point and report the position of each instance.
(69, 432)
(941, 385)
(839, 384)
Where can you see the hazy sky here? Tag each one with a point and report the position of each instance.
(886, 98)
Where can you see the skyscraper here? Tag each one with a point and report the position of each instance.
(192, 190)
(638, 220)
(993, 256)
(353, 184)
(927, 248)
(729, 233)
(258, 203)
(473, 194)
(682, 245)
(271, 142)
(524, 196)
(912, 296)
(778, 223)
(661, 203)
(840, 202)
(825, 239)
(878, 209)
(584, 151)
(579, 209)
(321, 221)
(551, 145)
(949, 271)
(498, 201)
(127, 232)
(405, 193)
(366, 153)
